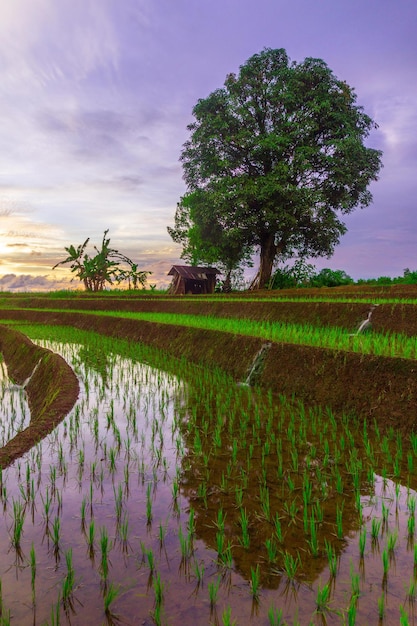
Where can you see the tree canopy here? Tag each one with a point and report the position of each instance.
(274, 159)
(104, 267)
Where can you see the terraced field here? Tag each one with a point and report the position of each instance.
(248, 460)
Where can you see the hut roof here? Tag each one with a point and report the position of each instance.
(193, 272)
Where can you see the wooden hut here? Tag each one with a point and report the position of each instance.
(189, 280)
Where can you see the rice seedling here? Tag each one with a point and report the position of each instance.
(376, 524)
(18, 523)
(105, 547)
(362, 542)
(354, 583)
(68, 583)
(331, 558)
(275, 617)
(227, 617)
(199, 570)
(322, 598)
(392, 539)
(111, 593)
(33, 572)
(213, 590)
(278, 528)
(412, 589)
(381, 606)
(271, 549)
(244, 524)
(313, 541)
(159, 589)
(385, 562)
(339, 521)
(56, 533)
(291, 564)
(255, 580)
(149, 503)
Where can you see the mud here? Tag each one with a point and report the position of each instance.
(51, 386)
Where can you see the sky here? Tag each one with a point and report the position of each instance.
(96, 96)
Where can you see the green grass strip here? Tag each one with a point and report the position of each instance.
(334, 338)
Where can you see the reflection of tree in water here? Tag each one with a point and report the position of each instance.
(94, 360)
(271, 483)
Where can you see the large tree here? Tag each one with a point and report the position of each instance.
(277, 156)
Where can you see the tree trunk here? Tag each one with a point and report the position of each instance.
(267, 257)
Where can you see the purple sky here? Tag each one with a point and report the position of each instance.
(95, 97)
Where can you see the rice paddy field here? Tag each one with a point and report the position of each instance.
(227, 461)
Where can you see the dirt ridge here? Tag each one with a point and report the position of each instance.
(51, 386)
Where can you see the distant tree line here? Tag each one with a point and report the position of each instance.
(302, 274)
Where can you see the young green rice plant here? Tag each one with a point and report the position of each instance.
(18, 523)
(362, 542)
(354, 583)
(381, 606)
(376, 525)
(239, 496)
(151, 559)
(404, 621)
(162, 531)
(198, 571)
(313, 541)
(351, 612)
(105, 547)
(322, 598)
(111, 592)
(32, 573)
(91, 537)
(278, 528)
(213, 590)
(392, 541)
(185, 544)
(339, 521)
(411, 526)
(331, 558)
(123, 528)
(412, 589)
(385, 562)
(158, 588)
(255, 580)
(227, 617)
(69, 580)
(275, 617)
(56, 533)
(271, 549)
(149, 503)
(291, 564)
(244, 524)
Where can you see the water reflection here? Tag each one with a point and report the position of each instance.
(200, 500)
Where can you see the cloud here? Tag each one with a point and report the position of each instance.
(28, 282)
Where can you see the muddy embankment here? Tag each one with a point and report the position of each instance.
(373, 387)
(394, 318)
(50, 384)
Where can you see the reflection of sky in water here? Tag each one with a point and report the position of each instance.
(14, 410)
(116, 457)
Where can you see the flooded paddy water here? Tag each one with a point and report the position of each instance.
(174, 496)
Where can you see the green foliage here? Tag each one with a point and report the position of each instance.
(104, 267)
(302, 274)
(273, 157)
